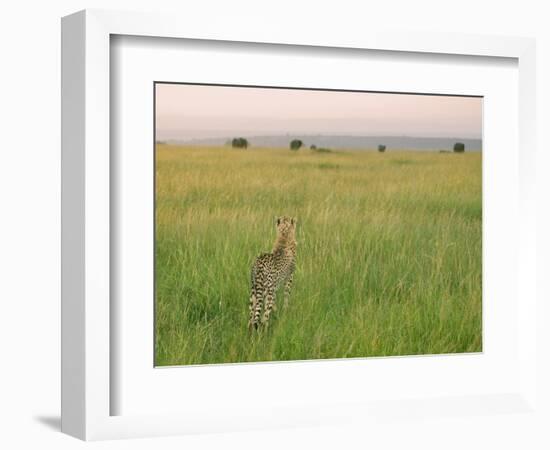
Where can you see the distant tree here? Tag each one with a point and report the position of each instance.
(381, 148)
(239, 143)
(313, 147)
(295, 144)
(459, 147)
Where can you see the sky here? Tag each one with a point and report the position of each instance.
(185, 112)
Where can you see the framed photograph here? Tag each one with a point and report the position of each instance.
(267, 229)
(372, 202)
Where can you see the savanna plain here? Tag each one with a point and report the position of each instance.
(389, 253)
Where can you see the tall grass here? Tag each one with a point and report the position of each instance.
(389, 253)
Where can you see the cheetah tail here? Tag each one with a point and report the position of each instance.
(253, 322)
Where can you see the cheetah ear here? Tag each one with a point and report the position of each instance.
(293, 221)
(278, 220)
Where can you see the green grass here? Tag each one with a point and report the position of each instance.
(389, 253)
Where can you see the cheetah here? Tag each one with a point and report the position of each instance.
(271, 271)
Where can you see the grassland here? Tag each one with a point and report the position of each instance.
(389, 253)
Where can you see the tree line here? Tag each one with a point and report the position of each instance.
(297, 144)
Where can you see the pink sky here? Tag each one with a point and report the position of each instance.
(193, 112)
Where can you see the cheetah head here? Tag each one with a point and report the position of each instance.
(286, 227)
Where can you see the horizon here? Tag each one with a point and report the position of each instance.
(338, 142)
(298, 135)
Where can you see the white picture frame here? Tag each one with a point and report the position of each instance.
(87, 354)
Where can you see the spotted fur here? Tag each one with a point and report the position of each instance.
(271, 271)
